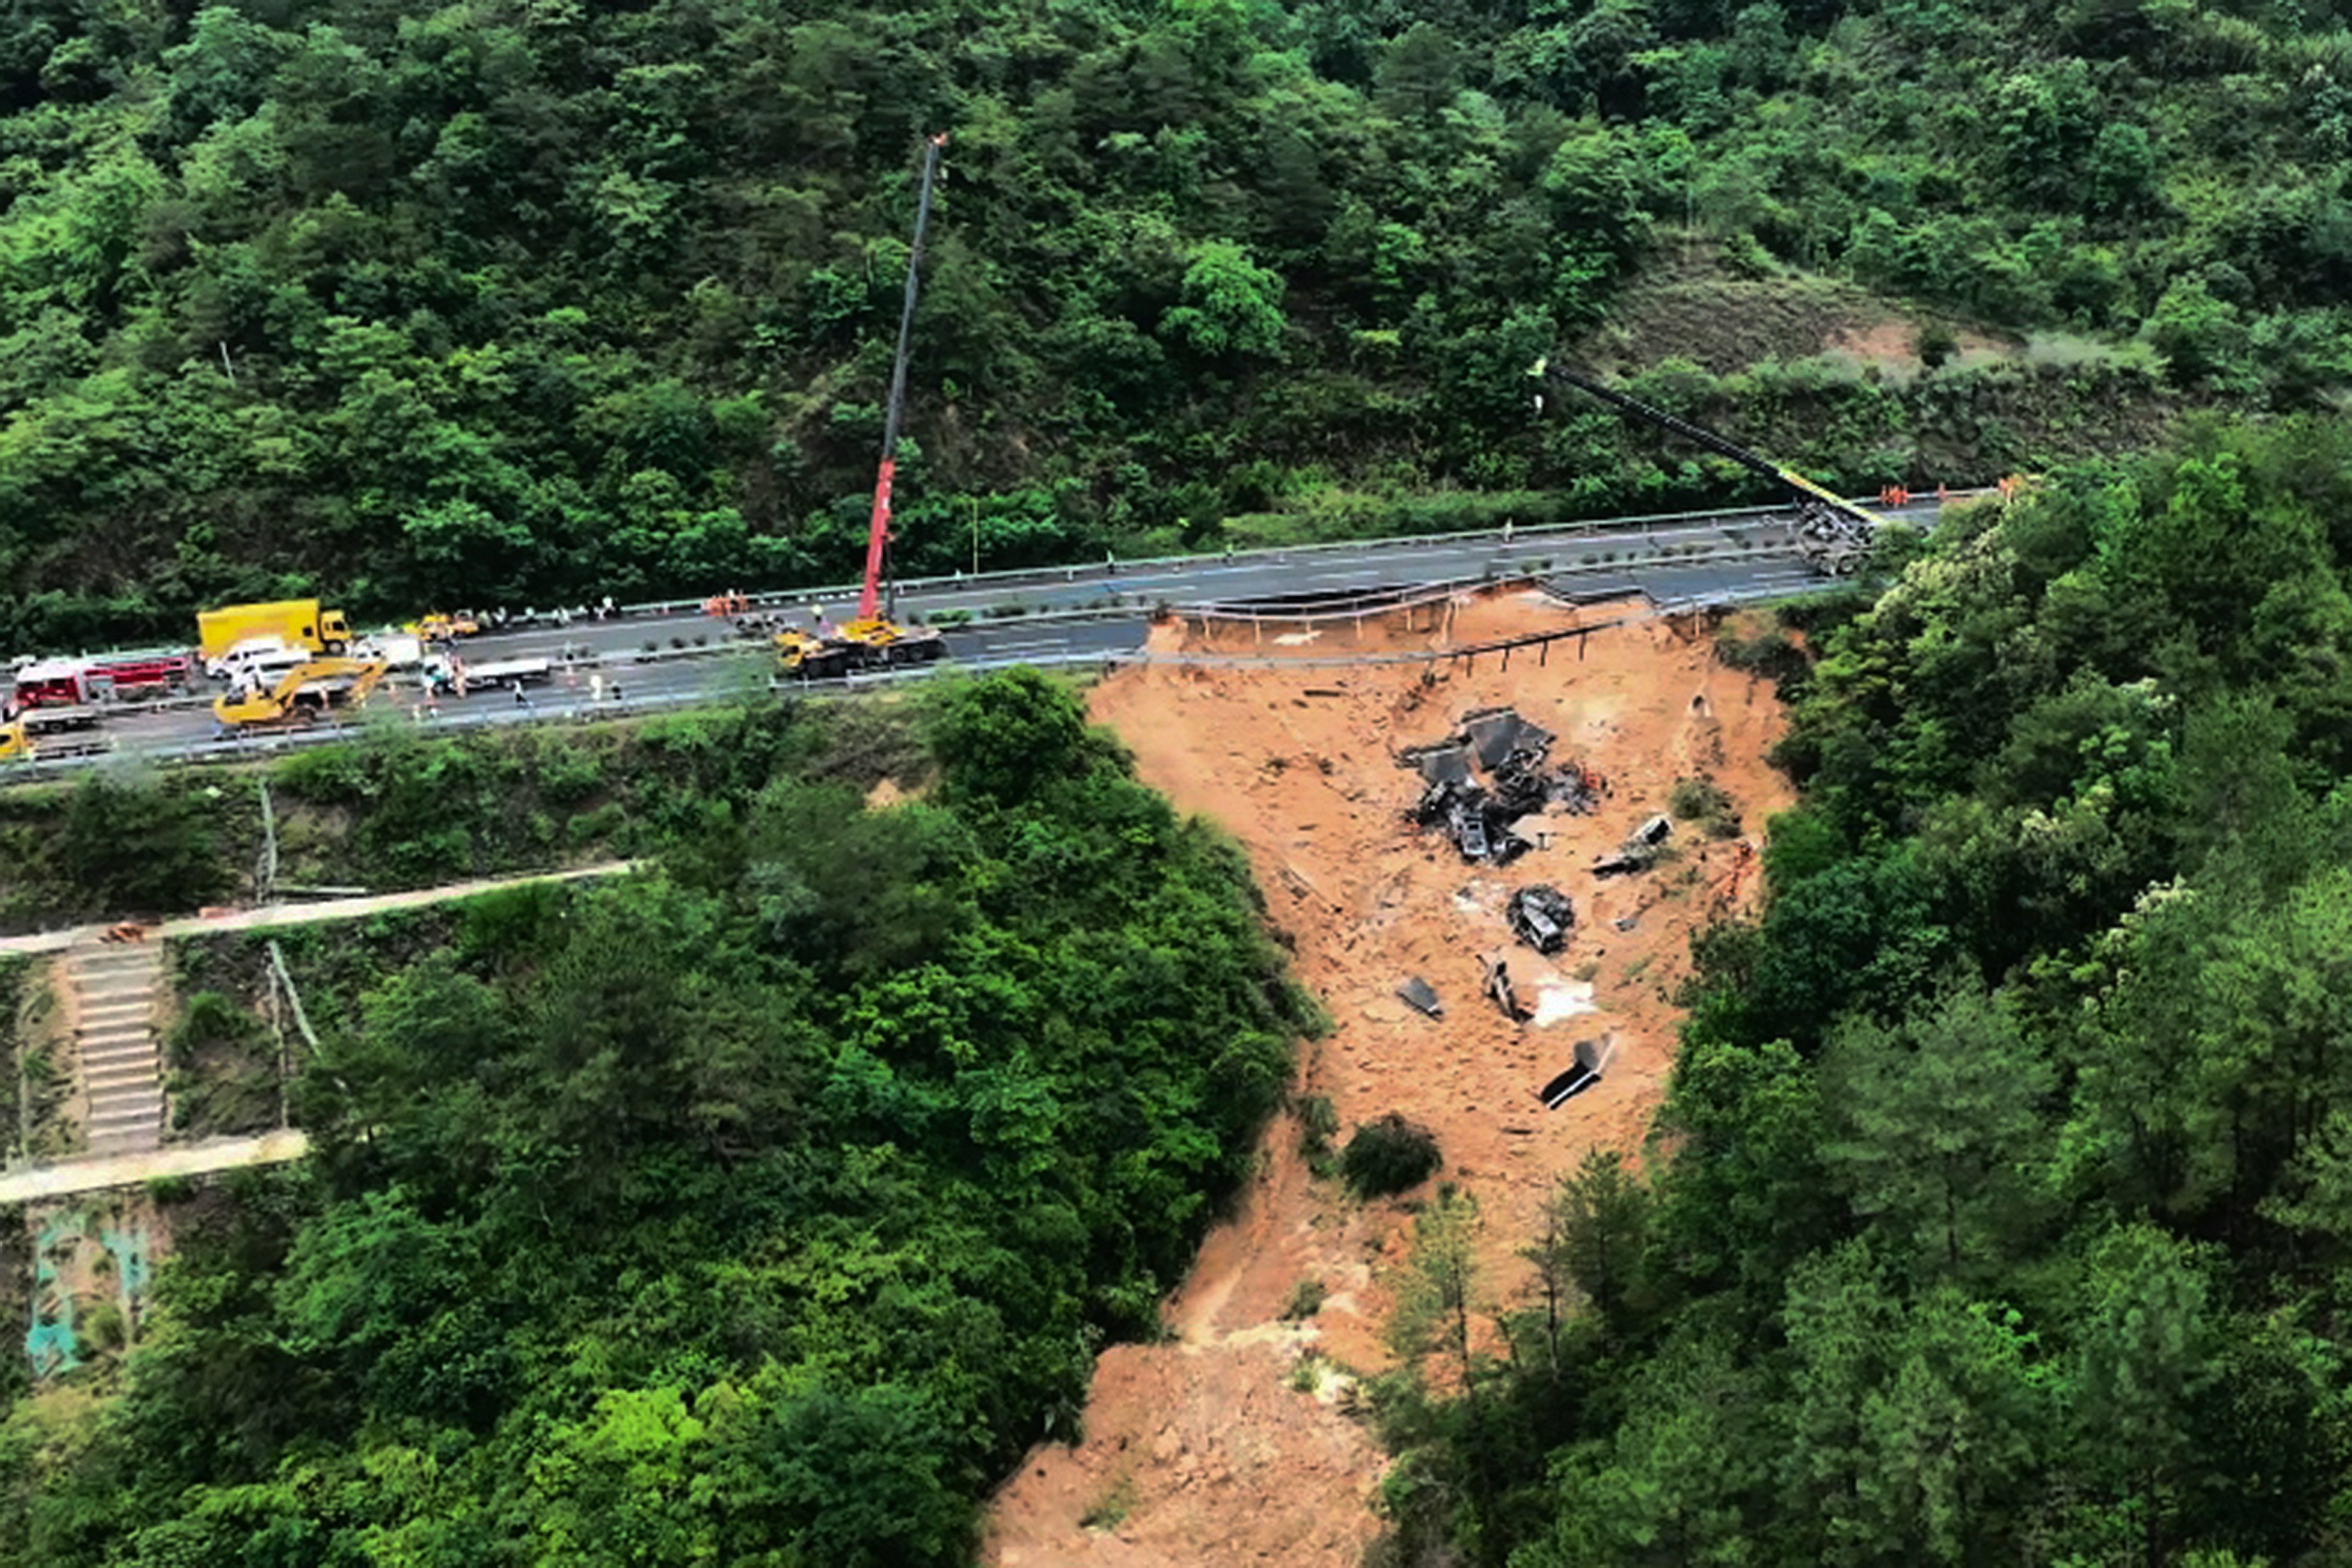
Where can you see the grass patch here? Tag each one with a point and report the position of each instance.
(223, 1064)
(1109, 1511)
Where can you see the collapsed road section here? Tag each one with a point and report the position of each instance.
(1214, 1447)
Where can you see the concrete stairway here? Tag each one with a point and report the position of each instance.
(115, 990)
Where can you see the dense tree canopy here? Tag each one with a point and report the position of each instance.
(760, 1210)
(1998, 1210)
(500, 301)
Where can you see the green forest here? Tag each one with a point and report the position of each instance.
(759, 1209)
(2000, 1209)
(530, 303)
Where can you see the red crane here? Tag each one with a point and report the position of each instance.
(877, 536)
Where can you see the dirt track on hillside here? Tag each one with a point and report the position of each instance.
(1202, 1450)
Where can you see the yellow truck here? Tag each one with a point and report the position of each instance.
(300, 623)
(51, 733)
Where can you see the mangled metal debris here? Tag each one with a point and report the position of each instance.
(1421, 995)
(1447, 763)
(1541, 917)
(1469, 815)
(1514, 754)
(1640, 850)
(1583, 1071)
(1500, 991)
(1499, 735)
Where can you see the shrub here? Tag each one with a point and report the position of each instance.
(1703, 801)
(1769, 654)
(1388, 1155)
(1317, 1123)
(1306, 1301)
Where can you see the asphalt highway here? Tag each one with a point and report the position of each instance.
(664, 655)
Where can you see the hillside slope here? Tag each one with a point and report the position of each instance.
(504, 302)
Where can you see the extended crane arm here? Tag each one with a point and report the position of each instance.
(1695, 434)
(1833, 534)
(878, 534)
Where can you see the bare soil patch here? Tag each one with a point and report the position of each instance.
(1692, 307)
(1217, 1447)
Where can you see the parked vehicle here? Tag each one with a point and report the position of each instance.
(60, 683)
(51, 732)
(300, 622)
(449, 676)
(148, 674)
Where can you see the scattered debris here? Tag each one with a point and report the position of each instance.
(1512, 751)
(1498, 987)
(1499, 735)
(1640, 850)
(1479, 827)
(1421, 995)
(1541, 917)
(1591, 1056)
(1446, 763)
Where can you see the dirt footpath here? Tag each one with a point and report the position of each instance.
(1219, 1448)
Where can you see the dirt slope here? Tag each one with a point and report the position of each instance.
(1202, 1450)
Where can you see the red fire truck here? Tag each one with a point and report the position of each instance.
(58, 683)
(145, 674)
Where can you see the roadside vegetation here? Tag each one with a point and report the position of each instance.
(1997, 1212)
(484, 304)
(399, 808)
(762, 1208)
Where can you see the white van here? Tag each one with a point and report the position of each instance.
(232, 665)
(262, 664)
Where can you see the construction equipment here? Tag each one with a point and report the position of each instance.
(297, 621)
(438, 628)
(872, 640)
(51, 733)
(1833, 536)
(867, 643)
(302, 695)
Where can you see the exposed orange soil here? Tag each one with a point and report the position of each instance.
(1201, 1450)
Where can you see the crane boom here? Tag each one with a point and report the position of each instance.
(877, 535)
(1833, 535)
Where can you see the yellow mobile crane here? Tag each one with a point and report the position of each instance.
(306, 691)
(874, 639)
